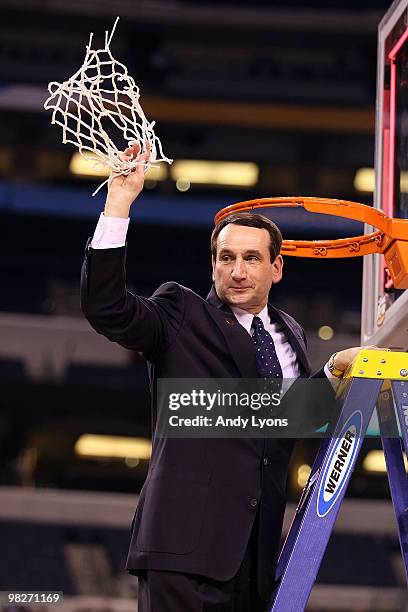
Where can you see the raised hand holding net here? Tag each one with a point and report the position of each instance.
(100, 104)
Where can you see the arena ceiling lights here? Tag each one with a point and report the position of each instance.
(364, 180)
(374, 461)
(194, 171)
(112, 447)
(79, 166)
(229, 174)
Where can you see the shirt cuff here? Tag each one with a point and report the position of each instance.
(110, 233)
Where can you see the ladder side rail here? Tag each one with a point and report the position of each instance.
(400, 392)
(300, 509)
(323, 504)
(394, 459)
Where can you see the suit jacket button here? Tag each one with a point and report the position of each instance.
(253, 502)
(265, 461)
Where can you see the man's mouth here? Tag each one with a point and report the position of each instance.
(240, 289)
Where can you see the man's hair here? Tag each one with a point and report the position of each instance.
(250, 220)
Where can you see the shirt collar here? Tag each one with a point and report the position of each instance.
(245, 318)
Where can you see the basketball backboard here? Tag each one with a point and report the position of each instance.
(384, 308)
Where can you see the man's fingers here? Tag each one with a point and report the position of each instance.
(144, 157)
(130, 152)
(133, 152)
(135, 149)
(377, 348)
(126, 155)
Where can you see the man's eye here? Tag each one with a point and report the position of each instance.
(252, 258)
(225, 258)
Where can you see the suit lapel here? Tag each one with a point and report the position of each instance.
(238, 340)
(293, 336)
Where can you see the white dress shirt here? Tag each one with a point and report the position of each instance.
(110, 233)
(286, 355)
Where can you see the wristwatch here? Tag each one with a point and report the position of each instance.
(332, 368)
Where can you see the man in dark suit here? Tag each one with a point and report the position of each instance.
(206, 532)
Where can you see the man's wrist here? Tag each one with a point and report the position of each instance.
(331, 366)
(119, 210)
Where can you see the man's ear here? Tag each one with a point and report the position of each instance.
(277, 269)
(213, 265)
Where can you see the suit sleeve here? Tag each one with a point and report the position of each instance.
(311, 402)
(309, 405)
(148, 325)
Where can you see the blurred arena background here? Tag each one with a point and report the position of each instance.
(285, 92)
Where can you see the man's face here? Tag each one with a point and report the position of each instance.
(242, 269)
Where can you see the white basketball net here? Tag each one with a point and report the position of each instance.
(102, 91)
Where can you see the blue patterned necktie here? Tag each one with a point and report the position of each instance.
(267, 362)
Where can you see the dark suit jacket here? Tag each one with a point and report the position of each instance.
(196, 508)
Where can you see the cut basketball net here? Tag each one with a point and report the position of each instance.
(103, 91)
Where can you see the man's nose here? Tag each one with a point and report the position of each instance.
(239, 269)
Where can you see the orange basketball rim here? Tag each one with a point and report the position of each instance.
(390, 237)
